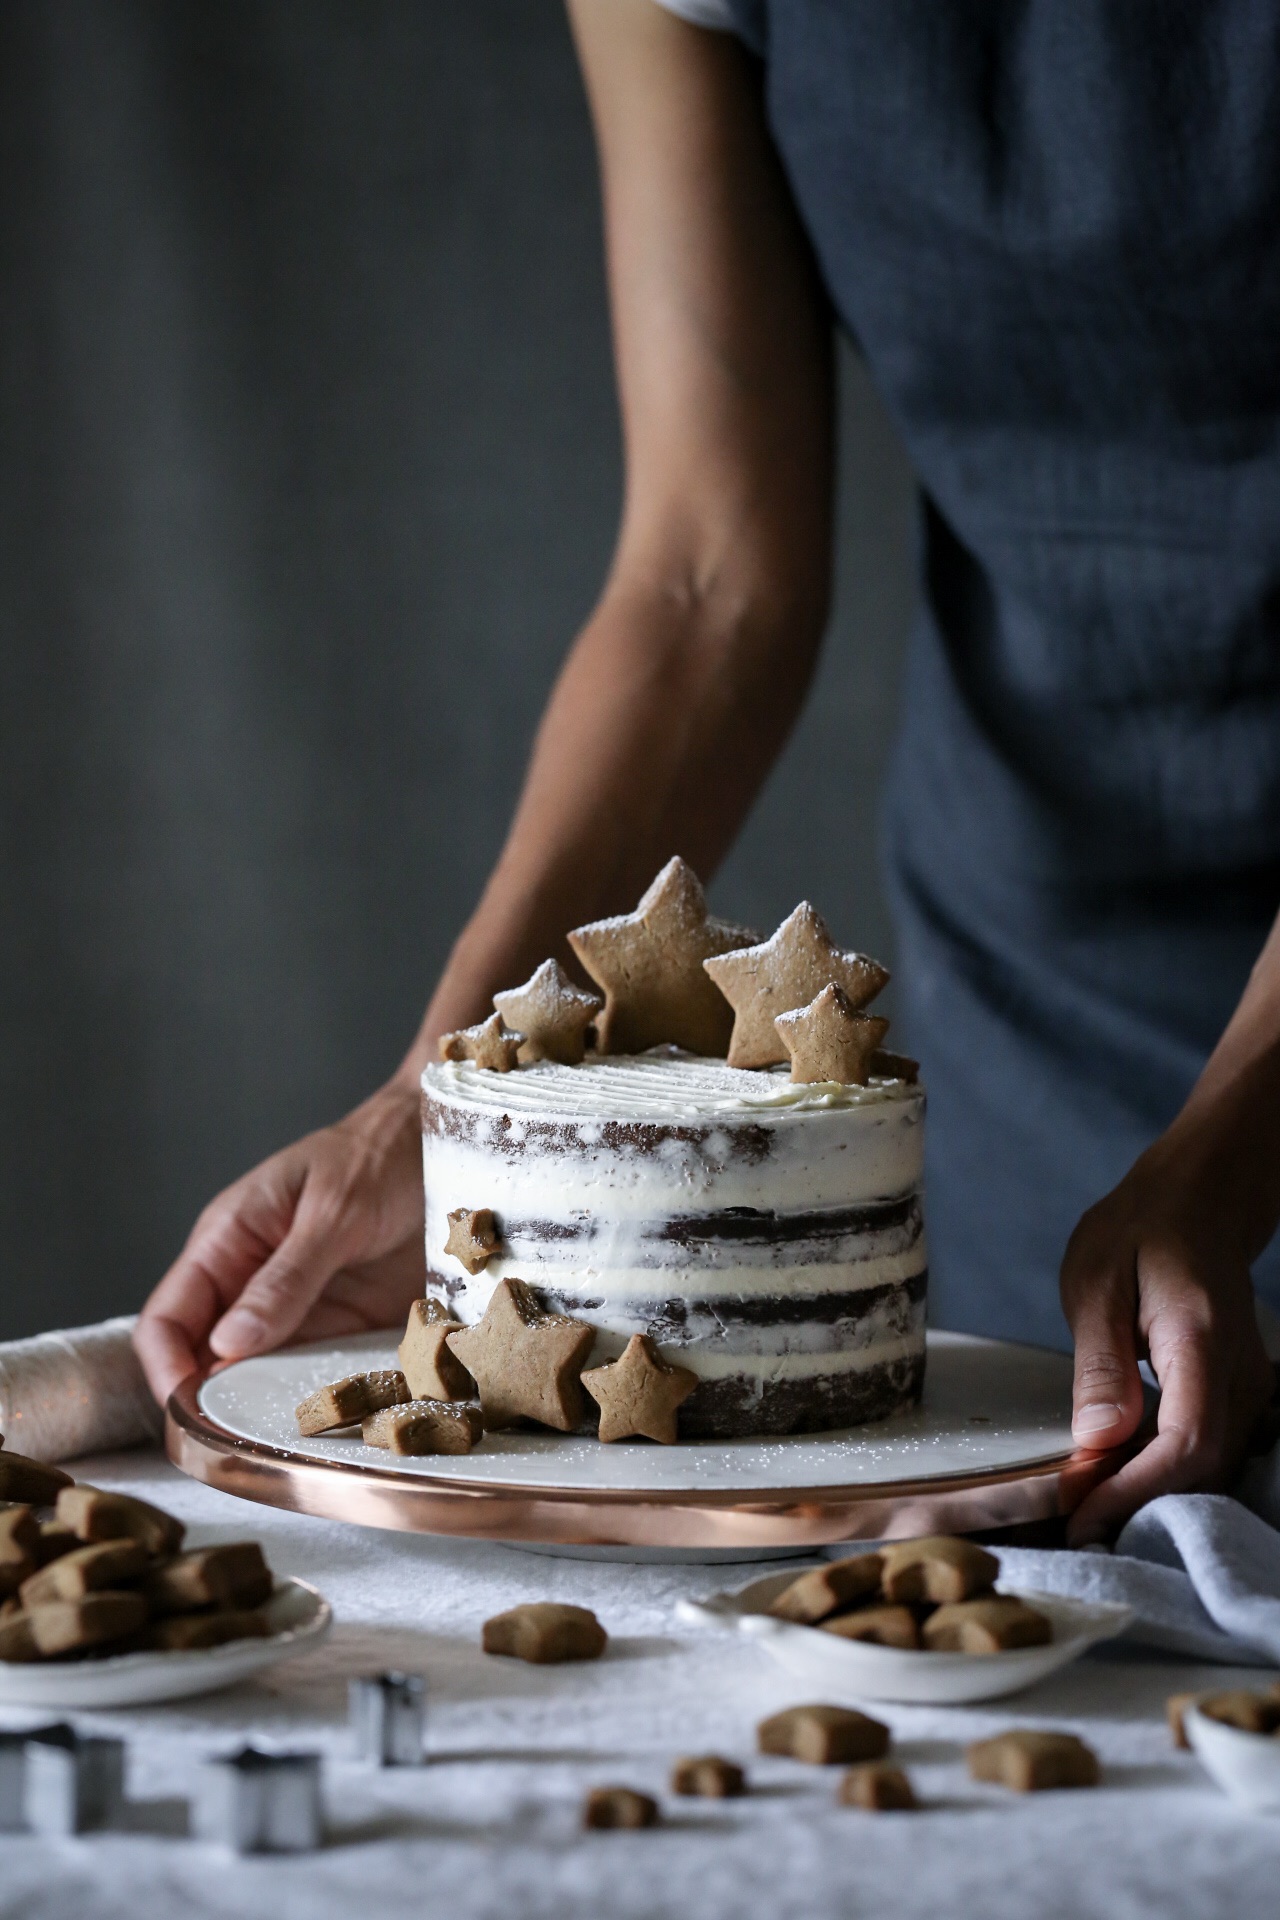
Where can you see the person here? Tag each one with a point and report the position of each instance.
(1051, 232)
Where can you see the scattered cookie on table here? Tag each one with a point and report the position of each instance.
(425, 1426)
(74, 1626)
(649, 964)
(93, 1515)
(877, 1788)
(545, 1632)
(940, 1568)
(638, 1394)
(823, 1736)
(345, 1403)
(619, 1807)
(878, 1626)
(706, 1776)
(112, 1563)
(490, 1044)
(815, 1594)
(473, 1238)
(1028, 1761)
(552, 1014)
(830, 1040)
(994, 1625)
(526, 1362)
(1237, 1707)
(233, 1575)
(30, 1481)
(785, 972)
(430, 1370)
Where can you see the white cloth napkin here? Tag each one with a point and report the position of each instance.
(74, 1392)
(1200, 1570)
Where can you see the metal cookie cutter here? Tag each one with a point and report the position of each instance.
(386, 1712)
(73, 1782)
(261, 1802)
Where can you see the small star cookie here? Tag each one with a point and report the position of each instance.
(830, 1040)
(783, 973)
(650, 965)
(525, 1362)
(639, 1393)
(490, 1043)
(473, 1237)
(431, 1372)
(551, 1013)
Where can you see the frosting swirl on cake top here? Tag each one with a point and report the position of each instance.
(663, 1084)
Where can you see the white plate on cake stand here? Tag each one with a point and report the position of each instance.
(855, 1670)
(990, 1446)
(299, 1617)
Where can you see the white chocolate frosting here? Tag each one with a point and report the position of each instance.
(663, 1084)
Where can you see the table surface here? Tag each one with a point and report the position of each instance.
(489, 1828)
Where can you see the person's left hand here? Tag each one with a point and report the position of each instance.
(1158, 1270)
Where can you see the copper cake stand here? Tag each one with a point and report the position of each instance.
(1005, 1462)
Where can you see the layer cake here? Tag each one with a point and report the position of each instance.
(764, 1233)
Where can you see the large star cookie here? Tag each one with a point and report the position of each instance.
(830, 1040)
(525, 1362)
(490, 1043)
(639, 1393)
(783, 973)
(551, 1013)
(650, 965)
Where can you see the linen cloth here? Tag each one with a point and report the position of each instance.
(488, 1830)
(1200, 1570)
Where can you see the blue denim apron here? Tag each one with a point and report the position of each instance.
(1054, 231)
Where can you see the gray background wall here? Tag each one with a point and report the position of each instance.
(310, 467)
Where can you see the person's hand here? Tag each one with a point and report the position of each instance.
(1159, 1269)
(322, 1239)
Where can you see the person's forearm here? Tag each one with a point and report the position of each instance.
(1227, 1136)
(666, 720)
(679, 694)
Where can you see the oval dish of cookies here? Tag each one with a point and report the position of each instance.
(297, 1617)
(918, 1620)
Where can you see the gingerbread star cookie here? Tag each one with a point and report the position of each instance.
(473, 1237)
(649, 964)
(431, 1372)
(551, 1013)
(490, 1043)
(525, 1362)
(783, 973)
(639, 1394)
(830, 1040)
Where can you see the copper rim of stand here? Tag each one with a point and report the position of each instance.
(376, 1496)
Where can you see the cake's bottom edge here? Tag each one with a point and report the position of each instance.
(741, 1407)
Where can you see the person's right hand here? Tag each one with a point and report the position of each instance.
(324, 1238)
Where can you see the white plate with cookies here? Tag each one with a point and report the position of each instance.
(817, 1653)
(298, 1618)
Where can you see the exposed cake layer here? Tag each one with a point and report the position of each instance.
(765, 1234)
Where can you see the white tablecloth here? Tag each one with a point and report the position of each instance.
(489, 1829)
